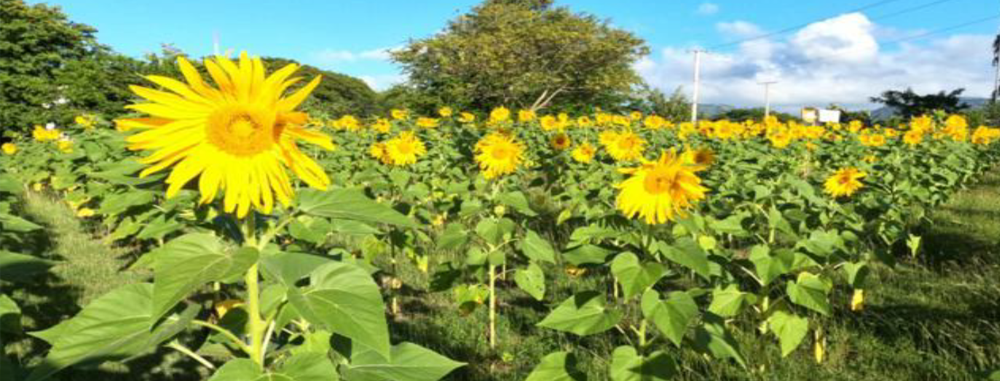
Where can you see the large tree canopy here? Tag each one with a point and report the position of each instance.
(36, 42)
(909, 104)
(524, 53)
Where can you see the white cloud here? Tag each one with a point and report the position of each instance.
(738, 28)
(834, 61)
(707, 9)
(383, 81)
(332, 57)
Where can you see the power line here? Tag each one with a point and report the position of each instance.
(799, 26)
(908, 10)
(945, 29)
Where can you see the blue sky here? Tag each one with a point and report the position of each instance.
(350, 36)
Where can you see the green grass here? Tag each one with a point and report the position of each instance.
(936, 317)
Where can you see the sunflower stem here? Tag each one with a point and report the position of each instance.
(253, 299)
(493, 306)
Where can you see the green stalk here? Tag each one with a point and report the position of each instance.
(253, 298)
(493, 306)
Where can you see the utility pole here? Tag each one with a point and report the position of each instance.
(996, 64)
(697, 82)
(767, 96)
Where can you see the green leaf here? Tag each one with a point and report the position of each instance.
(12, 223)
(115, 204)
(531, 280)
(113, 326)
(686, 252)
(160, 227)
(537, 248)
(288, 268)
(187, 263)
(712, 337)
(672, 316)
(557, 366)
(634, 276)
(495, 231)
(810, 291)
(582, 314)
(308, 366)
(518, 201)
(406, 362)
(856, 273)
(344, 299)
(587, 254)
(10, 315)
(726, 302)
(20, 267)
(790, 330)
(770, 267)
(453, 237)
(351, 204)
(628, 365)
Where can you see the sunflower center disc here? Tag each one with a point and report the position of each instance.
(240, 130)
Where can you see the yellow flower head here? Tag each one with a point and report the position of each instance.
(855, 126)
(660, 191)
(549, 123)
(702, 157)
(382, 125)
(560, 141)
(780, 138)
(445, 112)
(44, 134)
(346, 122)
(844, 182)
(913, 137)
(654, 122)
(498, 154)
(525, 116)
(377, 151)
(584, 153)
(85, 212)
(405, 149)
(86, 121)
(65, 146)
(499, 115)
(922, 123)
(398, 114)
(584, 121)
(466, 117)
(236, 136)
(8, 148)
(628, 146)
(427, 122)
(635, 115)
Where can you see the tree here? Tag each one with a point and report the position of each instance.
(527, 54)
(996, 62)
(909, 104)
(336, 95)
(676, 108)
(35, 43)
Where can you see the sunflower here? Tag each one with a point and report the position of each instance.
(560, 141)
(404, 149)
(498, 154)
(427, 122)
(913, 137)
(445, 112)
(661, 190)
(466, 117)
(780, 139)
(237, 137)
(86, 121)
(499, 115)
(628, 146)
(8, 148)
(382, 125)
(702, 157)
(398, 114)
(844, 182)
(525, 116)
(377, 151)
(65, 146)
(584, 153)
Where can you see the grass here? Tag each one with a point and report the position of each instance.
(936, 317)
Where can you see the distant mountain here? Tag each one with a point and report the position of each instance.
(883, 113)
(712, 110)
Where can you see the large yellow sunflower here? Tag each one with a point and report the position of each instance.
(661, 190)
(404, 149)
(844, 182)
(498, 154)
(628, 146)
(237, 136)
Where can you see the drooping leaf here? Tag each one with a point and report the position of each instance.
(810, 291)
(726, 302)
(557, 366)
(344, 299)
(537, 248)
(790, 330)
(635, 277)
(688, 253)
(187, 263)
(531, 280)
(712, 337)
(672, 316)
(21, 267)
(406, 362)
(582, 314)
(350, 204)
(628, 365)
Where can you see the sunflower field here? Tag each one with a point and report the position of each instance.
(280, 245)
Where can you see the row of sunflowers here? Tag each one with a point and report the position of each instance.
(687, 235)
